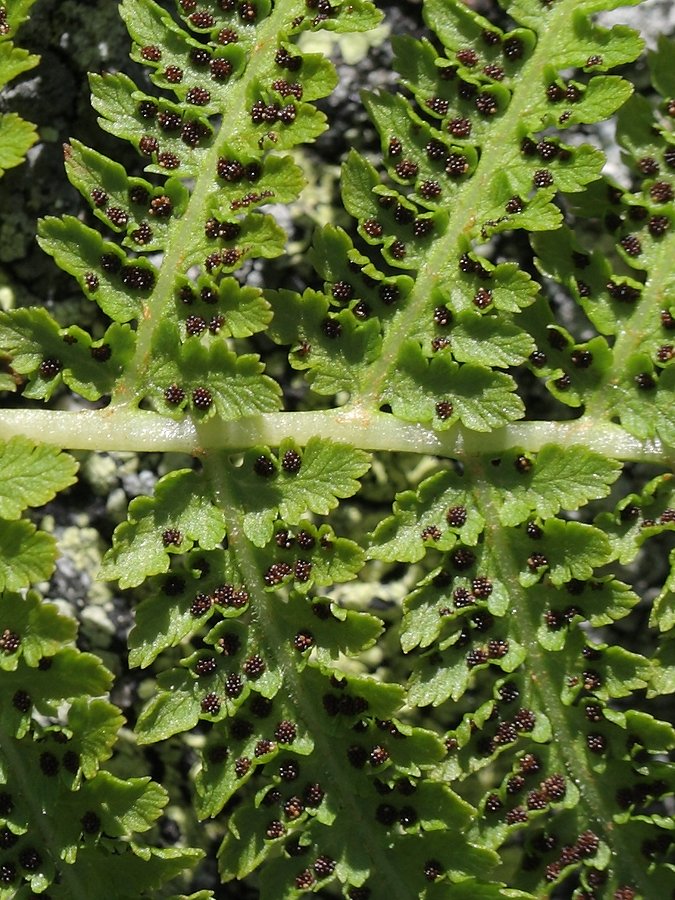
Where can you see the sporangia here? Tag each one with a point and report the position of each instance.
(397, 594)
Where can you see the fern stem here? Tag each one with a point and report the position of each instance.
(123, 429)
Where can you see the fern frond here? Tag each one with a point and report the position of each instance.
(625, 293)
(16, 135)
(61, 813)
(283, 712)
(477, 152)
(236, 107)
(388, 675)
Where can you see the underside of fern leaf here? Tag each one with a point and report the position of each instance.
(395, 678)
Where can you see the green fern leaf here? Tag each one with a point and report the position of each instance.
(31, 476)
(16, 138)
(16, 135)
(474, 698)
(295, 482)
(182, 514)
